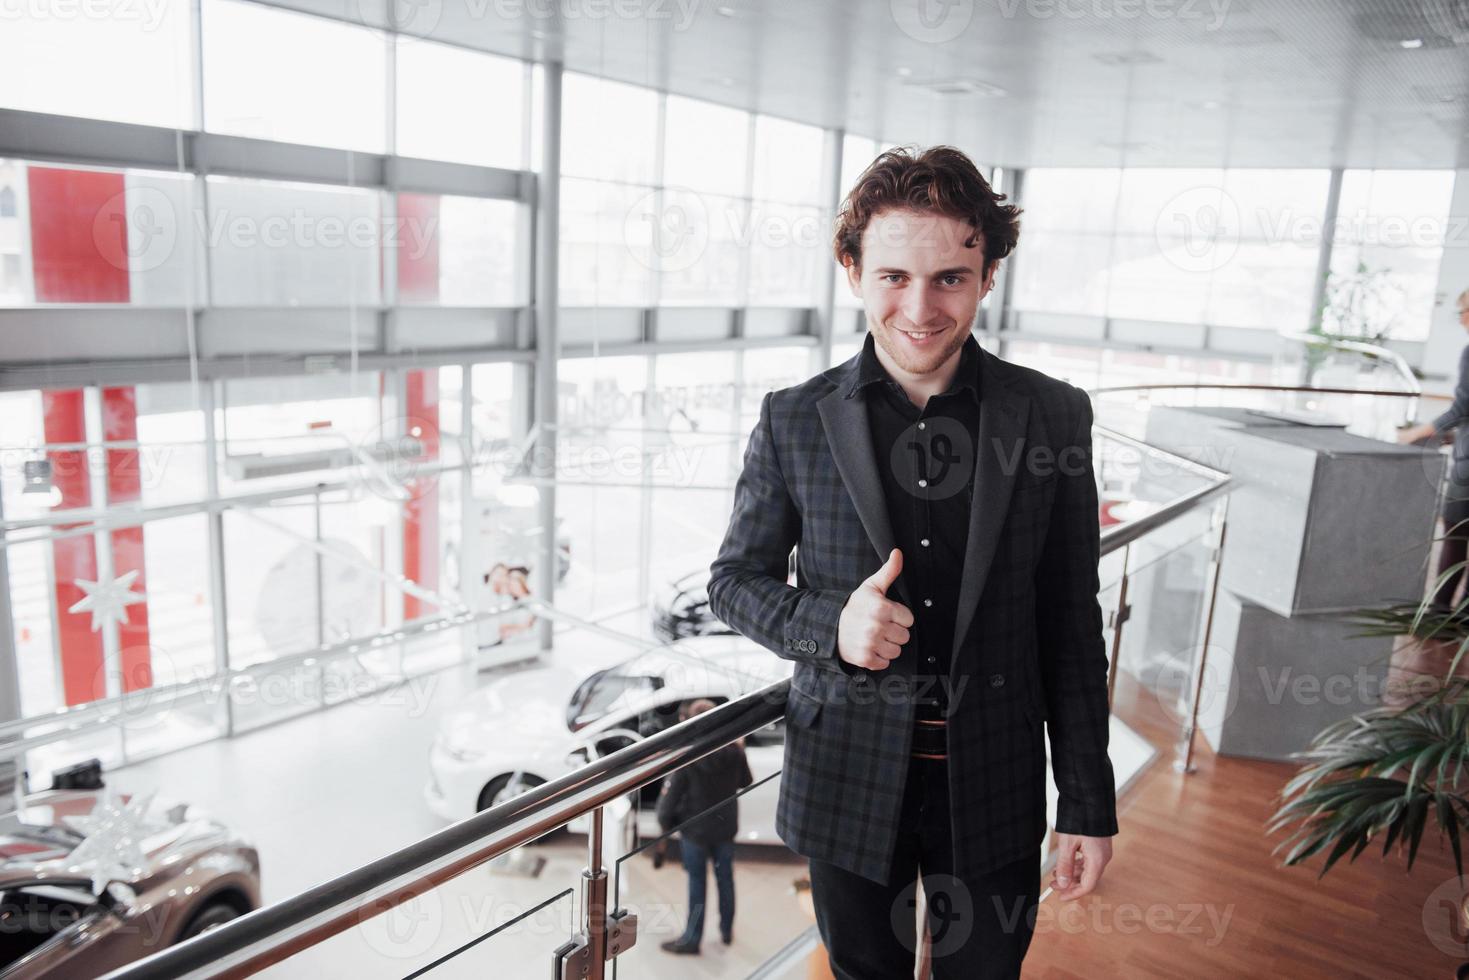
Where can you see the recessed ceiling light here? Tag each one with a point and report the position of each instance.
(1208, 104)
(1412, 42)
(724, 10)
(959, 86)
(1128, 58)
(904, 71)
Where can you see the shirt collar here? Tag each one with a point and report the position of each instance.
(870, 369)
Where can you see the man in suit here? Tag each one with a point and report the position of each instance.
(943, 508)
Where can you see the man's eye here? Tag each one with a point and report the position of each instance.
(892, 277)
(952, 280)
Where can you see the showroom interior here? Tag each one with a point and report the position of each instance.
(374, 383)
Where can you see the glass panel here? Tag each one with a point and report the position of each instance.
(1389, 241)
(857, 153)
(789, 161)
(178, 634)
(478, 924)
(270, 577)
(789, 248)
(1072, 279)
(434, 81)
(53, 55)
(651, 876)
(38, 662)
(608, 234)
(277, 432)
(327, 84)
(460, 251)
(85, 235)
(278, 244)
(698, 249)
(608, 130)
(706, 147)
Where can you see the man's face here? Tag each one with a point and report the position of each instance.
(920, 286)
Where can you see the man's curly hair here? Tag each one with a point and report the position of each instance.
(938, 180)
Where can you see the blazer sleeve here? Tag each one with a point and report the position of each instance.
(747, 581)
(1072, 651)
(1459, 411)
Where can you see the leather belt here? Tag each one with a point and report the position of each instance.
(930, 739)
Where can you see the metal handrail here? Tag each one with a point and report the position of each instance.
(274, 933)
(1398, 361)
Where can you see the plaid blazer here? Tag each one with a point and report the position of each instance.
(1028, 643)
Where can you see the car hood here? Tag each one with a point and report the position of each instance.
(524, 707)
(40, 836)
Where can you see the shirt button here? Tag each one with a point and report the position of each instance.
(923, 483)
(933, 660)
(922, 424)
(928, 602)
(997, 680)
(924, 542)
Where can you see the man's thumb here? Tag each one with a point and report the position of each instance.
(884, 577)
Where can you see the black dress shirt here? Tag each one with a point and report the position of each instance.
(926, 462)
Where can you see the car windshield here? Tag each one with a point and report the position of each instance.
(31, 915)
(596, 695)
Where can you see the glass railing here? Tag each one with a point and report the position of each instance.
(577, 876)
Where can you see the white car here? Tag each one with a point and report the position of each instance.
(534, 725)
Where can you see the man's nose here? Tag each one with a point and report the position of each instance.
(918, 305)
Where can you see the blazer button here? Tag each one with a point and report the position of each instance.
(997, 680)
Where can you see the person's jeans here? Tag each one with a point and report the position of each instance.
(695, 857)
(981, 926)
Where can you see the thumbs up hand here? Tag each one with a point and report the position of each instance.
(873, 628)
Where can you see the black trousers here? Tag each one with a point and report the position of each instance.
(980, 928)
(1452, 550)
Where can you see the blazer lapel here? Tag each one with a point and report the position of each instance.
(999, 455)
(850, 439)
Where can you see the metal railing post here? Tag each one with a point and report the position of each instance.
(594, 899)
(1196, 687)
(1120, 616)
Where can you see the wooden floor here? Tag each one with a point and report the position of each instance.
(1193, 889)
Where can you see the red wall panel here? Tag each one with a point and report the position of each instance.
(125, 486)
(421, 511)
(78, 235)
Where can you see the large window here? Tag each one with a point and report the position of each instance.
(1389, 239)
(735, 217)
(279, 244)
(1228, 247)
(133, 65)
(460, 105)
(279, 75)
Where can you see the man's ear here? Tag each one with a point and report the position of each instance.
(989, 281)
(854, 277)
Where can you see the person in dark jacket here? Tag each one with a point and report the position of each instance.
(1455, 512)
(687, 794)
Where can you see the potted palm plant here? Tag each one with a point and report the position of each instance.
(1387, 772)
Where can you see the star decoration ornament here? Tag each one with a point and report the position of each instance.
(108, 601)
(112, 843)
